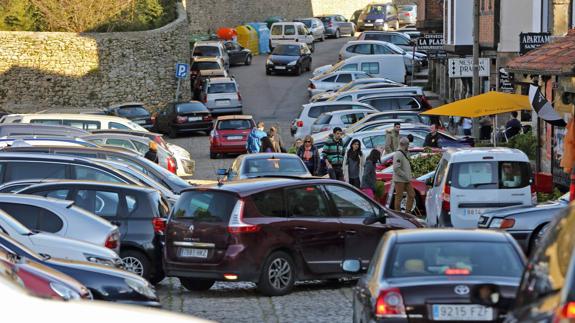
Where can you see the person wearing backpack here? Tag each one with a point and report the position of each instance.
(253, 145)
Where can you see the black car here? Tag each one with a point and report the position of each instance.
(289, 58)
(428, 275)
(140, 214)
(238, 54)
(105, 283)
(179, 117)
(132, 111)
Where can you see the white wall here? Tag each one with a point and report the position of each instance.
(463, 26)
(518, 16)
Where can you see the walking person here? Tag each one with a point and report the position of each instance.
(276, 140)
(369, 179)
(152, 153)
(310, 155)
(295, 147)
(466, 124)
(267, 146)
(253, 144)
(353, 164)
(392, 138)
(333, 154)
(402, 177)
(432, 138)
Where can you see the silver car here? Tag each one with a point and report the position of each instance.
(343, 119)
(413, 60)
(407, 14)
(376, 82)
(62, 218)
(337, 25)
(527, 224)
(221, 95)
(211, 49)
(265, 164)
(315, 26)
(333, 81)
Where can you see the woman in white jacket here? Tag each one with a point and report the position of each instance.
(353, 164)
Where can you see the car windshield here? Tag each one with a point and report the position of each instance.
(264, 165)
(306, 22)
(210, 51)
(201, 66)
(190, 107)
(375, 9)
(215, 88)
(396, 48)
(205, 206)
(133, 111)
(286, 50)
(487, 174)
(234, 125)
(325, 20)
(446, 258)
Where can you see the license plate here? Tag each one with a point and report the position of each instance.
(141, 121)
(195, 253)
(462, 313)
(194, 118)
(235, 137)
(368, 25)
(222, 102)
(280, 67)
(473, 212)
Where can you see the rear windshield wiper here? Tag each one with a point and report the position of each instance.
(481, 184)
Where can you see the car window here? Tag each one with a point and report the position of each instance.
(205, 206)
(239, 124)
(407, 104)
(490, 175)
(377, 36)
(93, 174)
(363, 49)
(83, 124)
(121, 143)
(382, 104)
(367, 142)
(351, 118)
(307, 201)
(115, 125)
(31, 170)
(133, 111)
(344, 78)
(370, 68)
(379, 49)
(440, 172)
(301, 30)
(141, 147)
(398, 40)
(210, 51)
(269, 204)
(258, 166)
(411, 118)
(222, 88)
(323, 119)
(131, 203)
(47, 122)
(330, 79)
(289, 30)
(33, 217)
(60, 194)
(277, 30)
(101, 203)
(345, 98)
(349, 67)
(349, 203)
(190, 108)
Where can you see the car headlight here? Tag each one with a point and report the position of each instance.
(63, 291)
(379, 21)
(292, 63)
(103, 261)
(269, 62)
(496, 223)
(141, 288)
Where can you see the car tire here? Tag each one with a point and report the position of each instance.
(213, 155)
(136, 262)
(172, 133)
(337, 34)
(248, 60)
(196, 284)
(278, 275)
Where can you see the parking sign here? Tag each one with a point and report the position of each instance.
(182, 70)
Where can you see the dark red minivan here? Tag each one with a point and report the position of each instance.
(273, 231)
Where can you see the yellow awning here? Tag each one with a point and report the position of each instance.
(482, 105)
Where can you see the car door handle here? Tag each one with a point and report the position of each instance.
(300, 228)
(350, 232)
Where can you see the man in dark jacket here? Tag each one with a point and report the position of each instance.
(513, 126)
(152, 153)
(333, 154)
(432, 138)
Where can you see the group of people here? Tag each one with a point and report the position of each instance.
(260, 141)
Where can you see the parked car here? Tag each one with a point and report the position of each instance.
(135, 111)
(527, 224)
(397, 102)
(32, 141)
(357, 94)
(289, 58)
(355, 16)
(221, 95)
(407, 14)
(342, 119)
(413, 61)
(378, 82)
(11, 130)
(230, 135)
(139, 212)
(237, 53)
(264, 165)
(301, 126)
(385, 65)
(61, 218)
(333, 82)
(337, 25)
(468, 182)
(428, 274)
(81, 121)
(314, 222)
(181, 117)
(105, 283)
(56, 246)
(379, 16)
(397, 38)
(205, 67)
(213, 49)
(315, 26)
(284, 33)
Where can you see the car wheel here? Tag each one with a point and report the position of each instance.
(136, 262)
(538, 237)
(172, 133)
(196, 284)
(337, 34)
(278, 275)
(213, 155)
(299, 70)
(248, 60)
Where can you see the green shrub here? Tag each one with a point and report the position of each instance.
(544, 197)
(423, 164)
(525, 142)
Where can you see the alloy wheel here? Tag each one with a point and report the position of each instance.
(133, 265)
(540, 235)
(279, 273)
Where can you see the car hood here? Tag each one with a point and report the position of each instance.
(43, 239)
(91, 267)
(50, 274)
(322, 69)
(280, 59)
(518, 210)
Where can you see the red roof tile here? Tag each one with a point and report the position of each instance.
(554, 58)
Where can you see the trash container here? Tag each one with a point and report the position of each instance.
(227, 33)
(248, 38)
(263, 36)
(270, 21)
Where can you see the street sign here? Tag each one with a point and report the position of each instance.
(529, 41)
(463, 67)
(182, 70)
(430, 42)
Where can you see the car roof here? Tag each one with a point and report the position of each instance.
(347, 111)
(426, 235)
(125, 105)
(286, 23)
(235, 117)
(47, 157)
(383, 128)
(74, 116)
(220, 79)
(10, 197)
(366, 41)
(478, 153)
(290, 43)
(87, 183)
(267, 155)
(207, 59)
(117, 135)
(208, 43)
(113, 149)
(322, 103)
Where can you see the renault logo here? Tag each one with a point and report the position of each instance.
(191, 228)
(461, 290)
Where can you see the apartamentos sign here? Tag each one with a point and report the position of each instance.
(529, 41)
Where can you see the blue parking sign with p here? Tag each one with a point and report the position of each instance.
(182, 70)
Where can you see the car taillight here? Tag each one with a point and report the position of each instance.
(456, 271)
(181, 119)
(565, 312)
(407, 14)
(207, 118)
(507, 223)
(239, 96)
(311, 86)
(159, 225)
(390, 304)
(445, 198)
(172, 165)
(299, 123)
(236, 224)
(112, 241)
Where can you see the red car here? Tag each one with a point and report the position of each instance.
(230, 135)
(419, 186)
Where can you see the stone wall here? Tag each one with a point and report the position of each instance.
(41, 71)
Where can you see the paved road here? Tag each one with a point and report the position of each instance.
(275, 100)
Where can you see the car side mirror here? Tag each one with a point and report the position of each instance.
(222, 172)
(351, 266)
(381, 218)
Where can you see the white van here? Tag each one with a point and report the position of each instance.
(471, 181)
(289, 32)
(389, 66)
(81, 121)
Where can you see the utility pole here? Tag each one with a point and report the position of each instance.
(476, 84)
